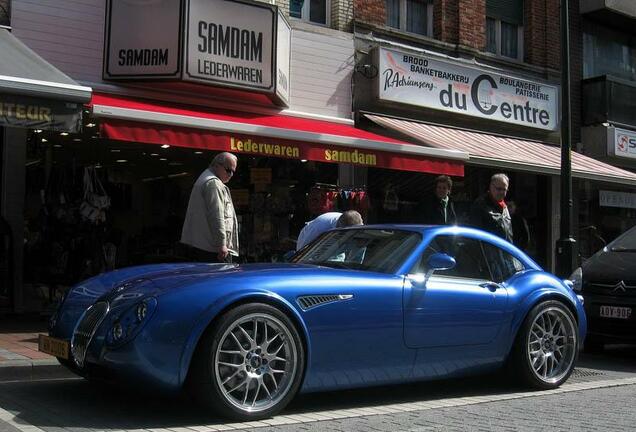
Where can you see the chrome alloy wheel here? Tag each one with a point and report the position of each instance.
(255, 362)
(552, 345)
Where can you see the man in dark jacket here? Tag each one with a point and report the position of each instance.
(490, 212)
(438, 209)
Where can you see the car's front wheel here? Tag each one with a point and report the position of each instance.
(249, 365)
(546, 346)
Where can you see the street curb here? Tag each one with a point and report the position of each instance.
(30, 370)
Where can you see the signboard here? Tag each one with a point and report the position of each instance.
(617, 199)
(624, 144)
(231, 43)
(36, 113)
(283, 54)
(143, 39)
(431, 82)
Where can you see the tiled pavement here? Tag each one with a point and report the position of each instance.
(19, 355)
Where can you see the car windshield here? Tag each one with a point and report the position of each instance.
(626, 242)
(375, 250)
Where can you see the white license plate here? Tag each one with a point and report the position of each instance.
(616, 312)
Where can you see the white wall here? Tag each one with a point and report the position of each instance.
(70, 35)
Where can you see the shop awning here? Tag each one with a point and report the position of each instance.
(23, 72)
(274, 135)
(34, 93)
(508, 153)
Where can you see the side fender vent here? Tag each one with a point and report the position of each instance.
(311, 301)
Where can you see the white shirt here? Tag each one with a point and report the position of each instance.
(313, 228)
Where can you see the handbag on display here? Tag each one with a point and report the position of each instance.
(96, 201)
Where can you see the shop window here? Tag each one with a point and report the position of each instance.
(504, 28)
(5, 13)
(414, 16)
(314, 11)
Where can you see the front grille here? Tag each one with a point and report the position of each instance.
(84, 331)
(617, 288)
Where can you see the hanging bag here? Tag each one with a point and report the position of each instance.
(96, 201)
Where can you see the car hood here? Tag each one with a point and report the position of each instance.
(134, 282)
(608, 266)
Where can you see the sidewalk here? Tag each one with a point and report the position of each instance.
(19, 355)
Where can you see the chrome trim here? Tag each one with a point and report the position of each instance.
(311, 301)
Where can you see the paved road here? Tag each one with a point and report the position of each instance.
(600, 396)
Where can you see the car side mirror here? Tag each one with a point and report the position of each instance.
(440, 261)
(437, 261)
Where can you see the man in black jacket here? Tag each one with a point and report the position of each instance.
(438, 209)
(490, 212)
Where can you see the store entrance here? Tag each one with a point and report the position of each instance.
(93, 205)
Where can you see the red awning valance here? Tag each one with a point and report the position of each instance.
(274, 135)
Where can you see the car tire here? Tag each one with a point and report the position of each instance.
(249, 364)
(593, 345)
(546, 346)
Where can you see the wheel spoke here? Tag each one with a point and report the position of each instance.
(269, 395)
(238, 386)
(228, 379)
(247, 335)
(230, 364)
(247, 390)
(258, 388)
(271, 375)
(243, 351)
(255, 330)
(230, 352)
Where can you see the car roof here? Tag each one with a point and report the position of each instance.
(429, 231)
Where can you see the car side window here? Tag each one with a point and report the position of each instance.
(502, 264)
(467, 252)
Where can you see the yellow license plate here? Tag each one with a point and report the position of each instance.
(53, 346)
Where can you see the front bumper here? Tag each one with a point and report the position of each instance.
(610, 329)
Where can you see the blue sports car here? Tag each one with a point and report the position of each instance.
(357, 307)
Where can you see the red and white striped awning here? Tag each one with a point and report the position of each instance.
(503, 152)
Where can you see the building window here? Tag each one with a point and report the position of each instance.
(608, 52)
(504, 28)
(314, 11)
(414, 16)
(504, 39)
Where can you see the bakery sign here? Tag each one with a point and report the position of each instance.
(441, 84)
(229, 43)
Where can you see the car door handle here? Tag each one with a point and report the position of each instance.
(491, 286)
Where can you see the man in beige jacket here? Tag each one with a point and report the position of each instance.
(210, 228)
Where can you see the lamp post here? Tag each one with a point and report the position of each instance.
(566, 245)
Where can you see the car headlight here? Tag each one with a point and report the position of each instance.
(128, 325)
(577, 280)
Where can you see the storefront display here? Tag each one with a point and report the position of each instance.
(113, 204)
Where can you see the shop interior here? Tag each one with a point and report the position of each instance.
(92, 205)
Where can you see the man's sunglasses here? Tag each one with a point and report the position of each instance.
(229, 171)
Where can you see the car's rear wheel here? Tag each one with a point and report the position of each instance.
(250, 364)
(546, 346)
